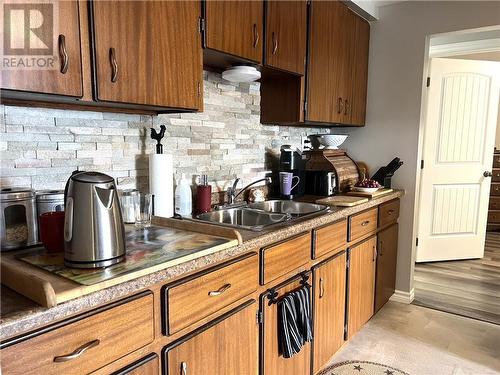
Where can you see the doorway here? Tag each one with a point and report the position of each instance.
(458, 261)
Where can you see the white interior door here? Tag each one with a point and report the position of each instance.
(459, 138)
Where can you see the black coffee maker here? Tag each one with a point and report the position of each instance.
(291, 161)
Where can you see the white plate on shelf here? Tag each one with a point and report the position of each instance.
(365, 190)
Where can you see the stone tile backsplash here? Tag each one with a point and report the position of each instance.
(41, 147)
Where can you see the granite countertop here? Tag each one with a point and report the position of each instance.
(19, 315)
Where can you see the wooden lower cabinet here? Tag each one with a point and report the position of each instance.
(226, 346)
(329, 282)
(272, 361)
(387, 250)
(360, 284)
(149, 365)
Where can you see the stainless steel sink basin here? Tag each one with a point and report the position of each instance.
(288, 207)
(243, 218)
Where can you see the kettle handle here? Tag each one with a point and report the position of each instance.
(67, 184)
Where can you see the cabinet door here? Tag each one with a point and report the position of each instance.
(66, 77)
(329, 59)
(148, 365)
(357, 108)
(148, 52)
(286, 23)
(387, 252)
(272, 360)
(329, 308)
(361, 284)
(229, 346)
(235, 27)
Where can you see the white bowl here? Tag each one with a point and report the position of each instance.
(365, 190)
(241, 73)
(329, 141)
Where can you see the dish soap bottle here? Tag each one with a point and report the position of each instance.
(183, 197)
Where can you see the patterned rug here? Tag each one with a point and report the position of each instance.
(360, 368)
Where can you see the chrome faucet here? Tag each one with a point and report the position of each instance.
(231, 191)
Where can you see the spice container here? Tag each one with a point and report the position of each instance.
(128, 205)
(18, 222)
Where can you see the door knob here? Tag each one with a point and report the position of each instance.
(487, 174)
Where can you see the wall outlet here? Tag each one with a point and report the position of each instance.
(305, 144)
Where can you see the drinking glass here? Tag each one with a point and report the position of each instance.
(143, 209)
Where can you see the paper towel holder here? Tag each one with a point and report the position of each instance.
(158, 137)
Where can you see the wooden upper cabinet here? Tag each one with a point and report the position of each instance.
(387, 252)
(148, 53)
(357, 108)
(235, 27)
(286, 33)
(66, 76)
(329, 307)
(337, 66)
(361, 284)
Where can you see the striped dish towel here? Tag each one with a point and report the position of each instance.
(294, 322)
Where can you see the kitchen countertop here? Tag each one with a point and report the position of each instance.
(19, 315)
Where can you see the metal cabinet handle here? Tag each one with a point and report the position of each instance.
(219, 291)
(390, 212)
(184, 368)
(487, 174)
(77, 352)
(365, 223)
(255, 36)
(346, 107)
(63, 53)
(374, 253)
(381, 246)
(275, 43)
(339, 106)
(321, 288)
(114, 65)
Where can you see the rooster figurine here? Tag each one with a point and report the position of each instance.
(158, 137)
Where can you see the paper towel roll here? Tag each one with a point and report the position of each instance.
(161, 184)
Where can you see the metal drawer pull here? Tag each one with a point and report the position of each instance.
(114, 65)
(78, 351)
(63, 53)
(275, 43)
(365, 223)
(321, 288)
(255, 36)
(184, 368)
(221, 290)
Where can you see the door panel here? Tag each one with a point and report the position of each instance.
(286, 35)
(458, 148)
(156, 51)
(387, 250)
(329, 309)
(361, 285)
(235, 27)
(229, 347)
(357, 108)
(66, 38)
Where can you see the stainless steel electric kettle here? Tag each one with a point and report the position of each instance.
(94, 234)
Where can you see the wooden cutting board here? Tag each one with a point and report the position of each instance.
(375, 194)
(342, 201)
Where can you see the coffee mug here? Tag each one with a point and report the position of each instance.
(52, 231)
(286, 180)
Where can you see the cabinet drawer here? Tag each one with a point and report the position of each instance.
(388, 212)
(494, 217)
(494, 203)
(149, 365)
(107, 334)
(192, 299)
(495, 189)
(362, 224)
(496, 161)
(330, 237)
(495, 175)
(279, 259)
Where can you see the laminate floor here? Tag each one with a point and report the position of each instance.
(422, 341)
(469, 288)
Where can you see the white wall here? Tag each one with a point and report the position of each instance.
(397, 53)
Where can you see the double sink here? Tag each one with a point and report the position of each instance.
(257, 216)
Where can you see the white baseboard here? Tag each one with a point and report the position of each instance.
(403, 297)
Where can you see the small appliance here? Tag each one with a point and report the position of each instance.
(94, 234)
(321, 183)
(291, 161)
